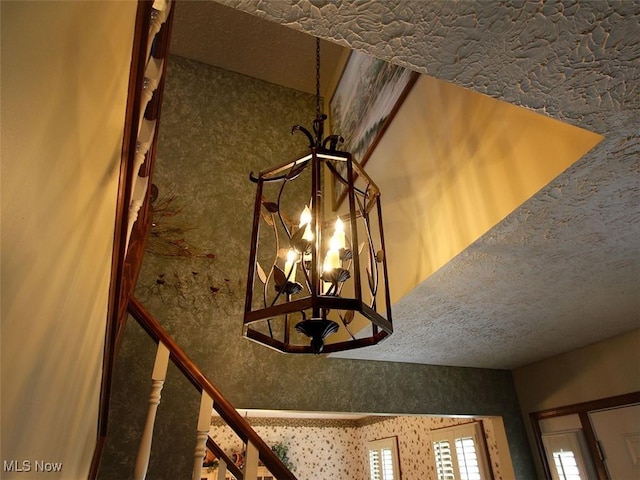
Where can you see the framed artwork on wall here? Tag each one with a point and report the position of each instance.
(368, 95)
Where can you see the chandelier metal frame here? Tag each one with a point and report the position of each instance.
(325, 287)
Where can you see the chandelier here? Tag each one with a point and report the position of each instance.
(317, 280)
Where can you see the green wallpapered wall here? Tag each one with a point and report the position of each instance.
(216, 127)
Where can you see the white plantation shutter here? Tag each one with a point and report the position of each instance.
(383, 459)
(387, 464)
(566, 465)
(564, 454)
(459, 453)
(444, 460)
(374, 465)
(467, 459)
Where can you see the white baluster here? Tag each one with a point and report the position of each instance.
(222, 469)
(159, 14)
(204, 421)
(153, 70)
(251, 462)
(157, 381)
(160, 4)
(152, 76)
(145, 138)
(157, 19)
(137, 198)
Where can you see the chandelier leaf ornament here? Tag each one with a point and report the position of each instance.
(317, 280)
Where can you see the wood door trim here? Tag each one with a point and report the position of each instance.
(582, 410)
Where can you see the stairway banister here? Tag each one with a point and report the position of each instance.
(219, 453)
(126, 261)
(226, 411)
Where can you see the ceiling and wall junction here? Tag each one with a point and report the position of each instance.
(557, 265)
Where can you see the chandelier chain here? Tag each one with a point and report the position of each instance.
(318, 110)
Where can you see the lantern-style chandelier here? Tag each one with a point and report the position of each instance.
(317, 281)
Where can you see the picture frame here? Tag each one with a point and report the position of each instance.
(368, 95)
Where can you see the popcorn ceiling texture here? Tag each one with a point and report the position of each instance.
(562, 271)
(526, 53)
(337, 450)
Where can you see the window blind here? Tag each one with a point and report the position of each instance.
(383, 461)
(467, 459)
(444, 460)
(566, 465)
(374, 465)
(459, 454)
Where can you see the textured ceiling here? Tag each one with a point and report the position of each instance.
(563, 270)
(224, 37)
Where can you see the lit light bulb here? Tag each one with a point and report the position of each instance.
(290, 265)
(332, 259)
(305, 219)
(339, 234)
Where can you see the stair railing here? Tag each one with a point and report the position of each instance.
(133, 219)
(225, 463)
(142, 114)
(256, 449)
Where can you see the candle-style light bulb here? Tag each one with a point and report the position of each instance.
(339, 234)
(332, 259)
(290, 265)
(305, 219)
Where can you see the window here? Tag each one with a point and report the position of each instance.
(467, 459)
(563, 429)
(566, 465)
(564, 453)
(383, 459)
(460, 453)
(444, 460)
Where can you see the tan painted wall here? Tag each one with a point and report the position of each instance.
(601, 370)
(65, 69)
(460, 163)
(604, 369)
(441, 196)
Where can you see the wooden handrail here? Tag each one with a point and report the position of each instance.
(232, 467)
(128, 253)
(127, 259)
(141, 229)
(226, 411)
(121, 282)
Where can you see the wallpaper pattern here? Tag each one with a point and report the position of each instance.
(414, 442)
(328, 449)
(216, 127)
(317, 452)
